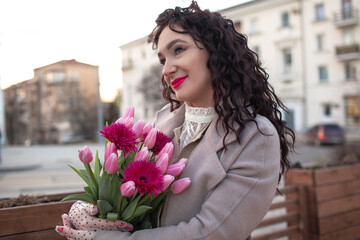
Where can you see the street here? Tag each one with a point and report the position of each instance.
(43, 169)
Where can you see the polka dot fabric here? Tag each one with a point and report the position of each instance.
(81, 223)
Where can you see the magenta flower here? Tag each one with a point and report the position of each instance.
(160, 141)
(180, 185)
(150, 139)
(128, 189)
(146, 176)
(111, 164)
(110, 148)
(168, 148)
(138, 128)
(177, 168)
(168, 179)
(85, 154)
(163, 162)
(123, 137)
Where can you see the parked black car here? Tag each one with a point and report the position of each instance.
(327, 133)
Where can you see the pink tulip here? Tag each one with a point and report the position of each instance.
(146, 129)
(150, 138)
(129, 122)
(128, 189)
(85, 155)
(177, 168)
(180, 185)
(163, 162)
(110, 148)
(168, 179)
(142, 155)
(129, 112)
(111, 164)
(138, 128)
(168, 148)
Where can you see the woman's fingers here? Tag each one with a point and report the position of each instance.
(75, 234)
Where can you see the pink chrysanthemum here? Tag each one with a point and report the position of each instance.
(146, 176)
(121, 136)
(161, 141)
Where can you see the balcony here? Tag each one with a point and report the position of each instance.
(346, 18)
(348, 52)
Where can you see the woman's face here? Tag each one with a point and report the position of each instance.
(184, 68)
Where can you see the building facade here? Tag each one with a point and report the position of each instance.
(310, 49)
(59, 105)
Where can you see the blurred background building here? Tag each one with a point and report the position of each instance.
(60, 104)
(309, 48)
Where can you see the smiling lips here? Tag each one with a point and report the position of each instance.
(178, 81)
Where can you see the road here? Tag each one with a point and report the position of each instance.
(44, 169)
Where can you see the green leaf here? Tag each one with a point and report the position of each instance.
(112, 216)
(146, 224)
(140, 210)
(129, 211)
(97, 167)
(124, 204)
(104, 208)
(88, 190)
(81, 174)
(83, 196)
(104, 187)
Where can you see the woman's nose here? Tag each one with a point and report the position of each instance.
(168, 69)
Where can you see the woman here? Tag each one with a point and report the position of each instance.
(223, 115)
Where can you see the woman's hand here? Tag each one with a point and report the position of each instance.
(81, 223)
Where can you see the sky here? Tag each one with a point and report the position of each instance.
(35, 33)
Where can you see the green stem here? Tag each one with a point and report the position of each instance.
(144, 199)
(88, 168)
(119, 206)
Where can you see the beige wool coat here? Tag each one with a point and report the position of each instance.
(231, 191)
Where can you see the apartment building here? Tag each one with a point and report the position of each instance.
(310, 50)
(58, 105)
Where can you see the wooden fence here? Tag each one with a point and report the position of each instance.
(287, 216)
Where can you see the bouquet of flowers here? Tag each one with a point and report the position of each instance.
(135, 175)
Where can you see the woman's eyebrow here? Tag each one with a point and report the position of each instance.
(172, 43)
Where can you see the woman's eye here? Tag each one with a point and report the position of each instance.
(178, 50)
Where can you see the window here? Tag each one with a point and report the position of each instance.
(323, 74)
(256, 49)
(320, 42)
(285, 19)
(350, 71)
(237, 26)
(74, 76)
(319, 12)
(253, 26)
(327, 110)
(55, 76)
(348, 36)
(352, 110)
(287, 60)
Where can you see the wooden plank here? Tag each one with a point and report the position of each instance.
(287, 189)
(36, 217)
(352, 233)
(339, 222)
(299, 177)
(339, 205)
(278, 233)
(336, 174)
(279, 219)
(39, 235)
(327, 192)
(282, 204)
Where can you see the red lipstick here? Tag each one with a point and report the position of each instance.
(178, 81)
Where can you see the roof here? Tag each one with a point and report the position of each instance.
(66, 62)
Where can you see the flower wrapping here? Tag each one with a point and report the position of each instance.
(135, 175)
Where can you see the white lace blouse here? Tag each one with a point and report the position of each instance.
(196, 119)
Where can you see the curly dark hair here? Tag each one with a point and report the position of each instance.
(238, 80)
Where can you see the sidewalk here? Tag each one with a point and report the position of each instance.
(41, 169)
